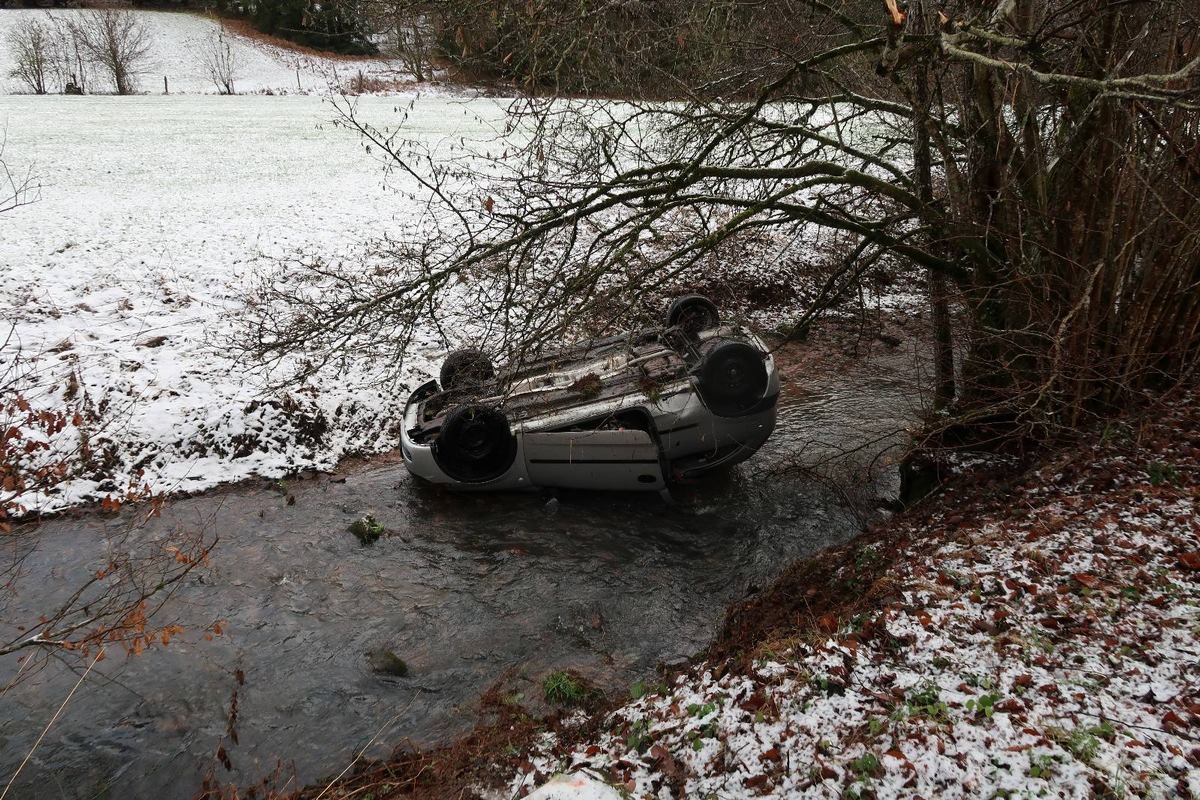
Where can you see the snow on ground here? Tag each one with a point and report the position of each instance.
(1045, 643)
(178, 42)
(154, 214)
(1046, 647)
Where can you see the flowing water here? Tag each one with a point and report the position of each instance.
(466, 589)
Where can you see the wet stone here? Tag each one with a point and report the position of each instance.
(388, 663)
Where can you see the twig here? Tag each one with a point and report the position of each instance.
(15, 678)
(53, 719)
(354, 760)
(1178, 735)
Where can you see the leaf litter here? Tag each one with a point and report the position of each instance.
(1031, 636)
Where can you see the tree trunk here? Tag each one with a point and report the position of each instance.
(943, 343)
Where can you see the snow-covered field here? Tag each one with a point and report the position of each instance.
(154, 213)
(178, 42)
(151, 215)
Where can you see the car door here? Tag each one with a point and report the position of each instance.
(594, 459)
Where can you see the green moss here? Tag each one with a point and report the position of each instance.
(366, 529)
(388, 663)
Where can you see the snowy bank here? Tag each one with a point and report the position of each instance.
(154, 217)
(1038, 637)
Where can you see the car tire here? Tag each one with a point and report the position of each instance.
(693, 313)
(732, 377)
(464, 369)
(475, 444)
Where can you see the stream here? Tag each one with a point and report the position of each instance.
(467, 589)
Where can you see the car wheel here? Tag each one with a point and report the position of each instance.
(475, 444)
(693, 313)
(731, 377)
(465, 368)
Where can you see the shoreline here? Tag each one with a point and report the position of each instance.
(991, 640)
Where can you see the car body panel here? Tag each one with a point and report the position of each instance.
(599, 459)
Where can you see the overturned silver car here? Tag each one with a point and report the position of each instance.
(632, 411)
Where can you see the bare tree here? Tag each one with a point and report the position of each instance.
(51, 54)
(119, 42)
(414, 34)
(220, 59)
(33, 52)
(71, 57)
(425, 34)
(19, 188)
(1040, 160)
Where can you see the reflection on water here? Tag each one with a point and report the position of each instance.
(463, 588)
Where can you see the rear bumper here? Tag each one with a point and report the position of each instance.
(719, 443)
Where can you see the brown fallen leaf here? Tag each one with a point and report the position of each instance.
(753, 703)
(771, 755)
(1173, 720)
(755, 781)
(666, 762)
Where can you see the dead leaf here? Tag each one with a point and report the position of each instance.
(755, 782)
(1173, 720)
(771, 755)
(753, 703)
(666, 762)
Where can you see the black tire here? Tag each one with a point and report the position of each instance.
(693, 313)
(732, 377)
(475, 444)
(464, 369)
